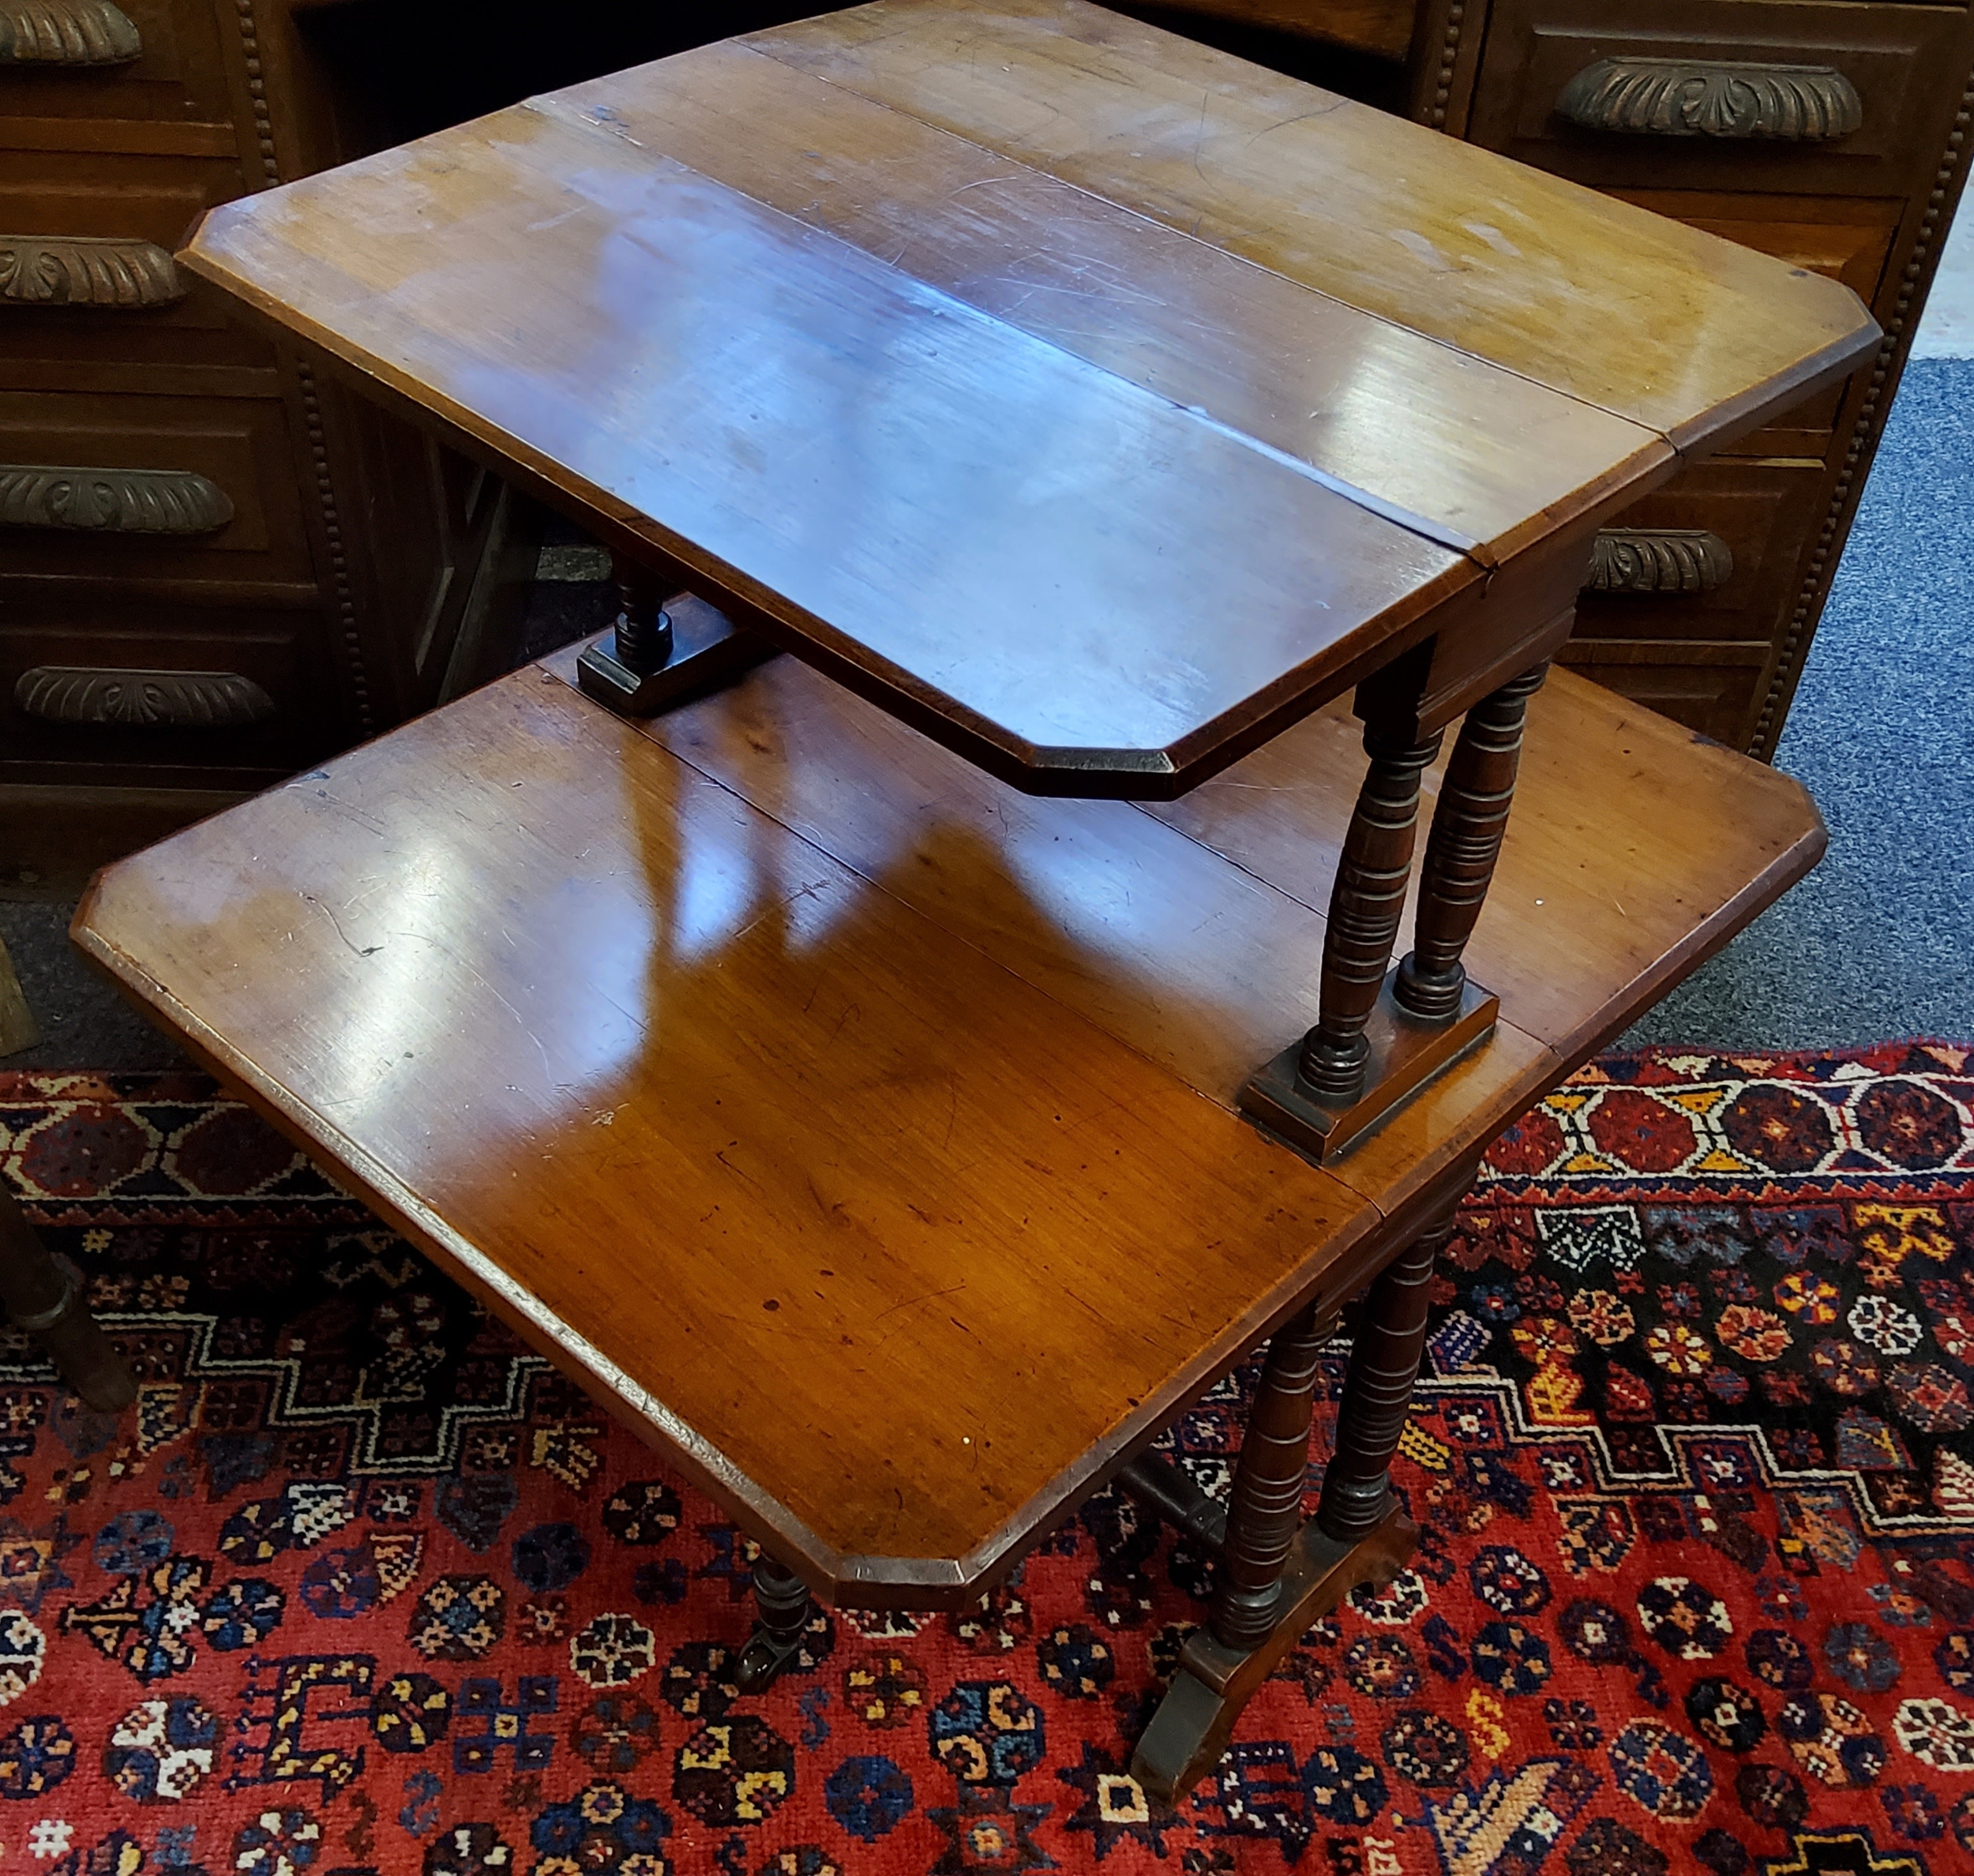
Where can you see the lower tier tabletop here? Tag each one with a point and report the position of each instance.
(861, 1129)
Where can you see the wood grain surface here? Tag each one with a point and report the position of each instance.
(824, 1195)
(1694, 337)
(1095, 401)
(1634, 850)
(859, 1127)
(944, 502)
(1464, 448)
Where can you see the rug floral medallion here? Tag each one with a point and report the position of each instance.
(361, 1585)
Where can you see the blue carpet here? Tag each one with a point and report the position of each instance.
(1878, 942)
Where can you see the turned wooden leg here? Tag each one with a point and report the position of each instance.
(1461, 849)
(1264, 1509)
(1278, 1574)
(643, 630)
(1277, 1578)
(1377, 1392)
(45, 1298)
(781, 1614)
(1366, 903)
(662, 652)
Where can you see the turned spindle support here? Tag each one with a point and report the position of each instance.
(1279, 1573)
(642, 640)
(1264, 1509)
(1468, 826)
(1383, 1033)
(661, 652)
(1377, 1391)
(1366, 900)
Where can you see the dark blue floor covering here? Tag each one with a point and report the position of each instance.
(1878, 942)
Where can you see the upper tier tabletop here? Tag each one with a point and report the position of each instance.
(1093, 400)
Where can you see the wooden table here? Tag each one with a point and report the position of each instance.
(856, 1119)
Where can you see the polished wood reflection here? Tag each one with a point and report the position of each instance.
(1098, 438)
(860, 1128)
(942, 505)
(1470, 450)
(1692, 336)
(1099, 905)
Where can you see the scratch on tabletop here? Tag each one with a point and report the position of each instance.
(806, 890)
(952, 1289)
(425, 937)
(746, 1178)
(366, 950)
(356, 813)
(981, 182)
(1300, 116)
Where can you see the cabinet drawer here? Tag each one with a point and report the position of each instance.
(163, 685)
(1712, 688)
(186, 491)
(90, 296)
(1714, 554)
(142, 75)
(1721, 94)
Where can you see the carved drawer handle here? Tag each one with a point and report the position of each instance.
(1688, 97)
(168, 699)
(85, 270)
(147, 502)
(66, 32)
(1667, 560)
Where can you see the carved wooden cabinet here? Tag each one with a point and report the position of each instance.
(1833, 135)
(214, 567)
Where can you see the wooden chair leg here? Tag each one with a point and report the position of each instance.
(781, 1614)
(44, 1297)
(1277, 1578)
(1465, 844)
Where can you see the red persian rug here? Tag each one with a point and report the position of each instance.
(361, 1585)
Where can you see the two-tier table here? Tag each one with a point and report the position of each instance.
(899, 1077)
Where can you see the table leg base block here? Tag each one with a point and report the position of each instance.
(1189, 1733)
(85, 1357)
(708, 651)
(1406, 1054)
(763, 1659)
